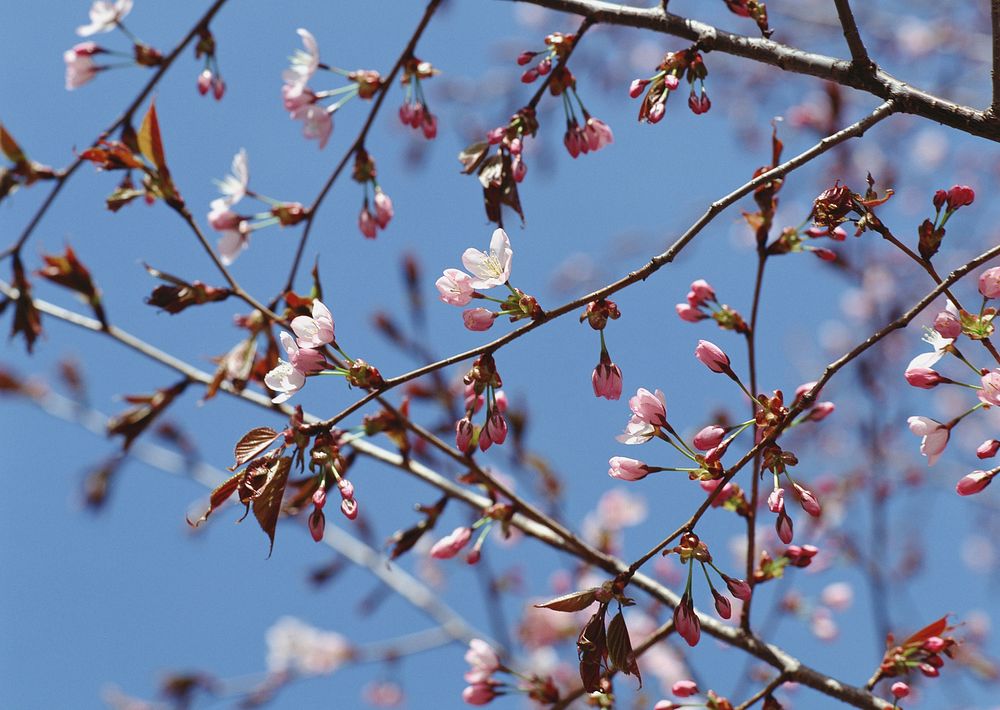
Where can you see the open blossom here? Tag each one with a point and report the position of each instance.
(990, 393)
(636, 431)
(451, 544)
(317, 122)
(231, 244)
(293, 645)
(649, 408)
(221, 218)
(80, 68)
(928, 360)
(935, 437)
(306, 360)
(626, 469)
(482, 657)
(455, 287)
(234, 186)
(286, 380)
(304, 65)
(490, 268)
(104, 16)
(711, 356)
(316, 331)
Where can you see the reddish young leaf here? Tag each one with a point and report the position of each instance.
(10, 148)
(150, 142)
(253, 444)
(131, 423)
(935, 628)
(575, 601)
(620, 647)
(27, 320)
(219, 496)
(592, 647)
(267, 502)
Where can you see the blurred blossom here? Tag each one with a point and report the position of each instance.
(915, 37)
(979, 553)
(618, 509)
(293, 645)
(838, 596)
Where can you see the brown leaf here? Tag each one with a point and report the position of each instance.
(592, 647)
(150, 142)
(620, 647)
(27, 319)
(253, 443)
(472, 156)
(267, 503)
(10, 148)
(219, 496)
(575, 601)
(132, 422)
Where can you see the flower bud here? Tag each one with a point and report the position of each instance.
(709, 437)
(947, 324)
(988, 449)
(989, 282)
(899, 689)
(974, 483)
(478, 319)
(711, 356)
(317, 524)
(685, 688)
(349, 508)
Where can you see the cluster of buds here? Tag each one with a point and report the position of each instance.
(607, 376)
(777, 461)
(482, 386)
(836, 204)
(800, 556)
(331, 465)
(451, 544)
(675, 66)
(793, 240)
(415, 111)
(702, 304)
(210, 78)
(923, 651)
(105, 17)
(509, 141)
(691, 550)
(303, 103)
(375, 212)
(235, 228)
(558, 47)
(483, 686)
(946, 202)
(488, 270)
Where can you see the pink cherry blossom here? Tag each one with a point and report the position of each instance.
(463, 435)
(686, 621)
(808, 500)
(317, 122)
(305, 360)
(480, 693)
(940, 346)
(989, 282)
(626, 469)
(597, 133)
(649, 408)
(821, 411)
(739, 588)
(990, 393)
(294, 99)
(451, 544)
(711, 356)
(496, 427)
(899, 690)
(481, 656)
(637, 87)
(636, 431)
(607, 380)
(221, 218)
(455, 287)
(684, 688)
(701, 291)
(974, 482)
(284, 379)
(478, 319)
(776, 500)
(783, 526)
(317, 331)
(948, 324)
(988, 449)
(304, 63)
(960, 196)
(689, 313)
(490, 268)
(80, 68)
(367, 223)
(935, 437)
(231, 244)
(234, 186)
(104, 16)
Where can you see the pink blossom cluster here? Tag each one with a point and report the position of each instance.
(488, 269)
(105, 16)
(415, 112)
(304, 355)
(483, 663)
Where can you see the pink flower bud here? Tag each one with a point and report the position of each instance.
(947, 324)
(383, 209)
(525, 57)
(702, 291)
(709, 437)
(319, 498)
(974, 483)
(808, 500)
(940, 196)
(429, 126)
(656, 112)
(988, 449)
(626, 469)
(922, 377)
(516, 146)
(928, 670)
(519, 168)
(218, 88)
(784, 528)
(479, 693)
(481, 656)
(934, 644)
(739, 588)
(496, 135)
(500, 401)
(724, 608)
(463, 435)
(711, 356)
(406, 113)
(607, 380)
(204, 81)
(529, 76)
(821, 411)
(776, 501)
(825, 254)
(960, 196)
(349, 508)
(450, 545)
(346, 489)
(685, 688)
(478, 319)
(317, 524)
(665, 705)
(544, 66)
(367, 223)
(689, 313)
(989, 282)
(485, 441)
(671, 82)
(686, 621)
(705, 103)
(899, 689)
(637, 87)
(496, 427)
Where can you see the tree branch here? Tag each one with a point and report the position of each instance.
(853, 37)
(994, 110)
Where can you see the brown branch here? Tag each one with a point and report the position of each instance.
(763, 692)
(841, 71)
(994, 110)
(126, 116)
(359, 142)
(883, 111)
(853, 37)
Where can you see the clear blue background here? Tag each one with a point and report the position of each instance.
(126, 595)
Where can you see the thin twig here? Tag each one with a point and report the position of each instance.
(851, 34)
(762, 693)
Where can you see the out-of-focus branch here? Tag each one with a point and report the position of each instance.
(126, 115)
(841, 71)
(994, 109)
(854, 42)
(883, 111)
(359, 142)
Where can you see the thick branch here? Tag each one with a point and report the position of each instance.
(908, 98)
